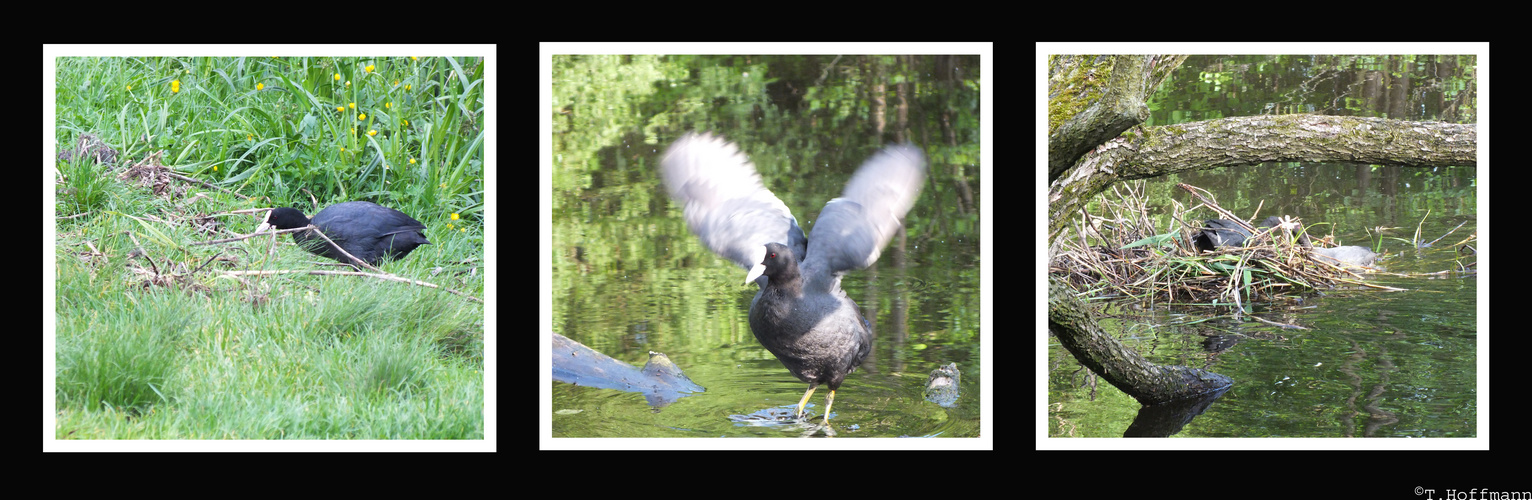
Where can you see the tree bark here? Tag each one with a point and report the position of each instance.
(1249, 140)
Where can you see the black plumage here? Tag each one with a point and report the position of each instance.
(1226, 233)
(367, 230)
(1220, 233)
(820, 337)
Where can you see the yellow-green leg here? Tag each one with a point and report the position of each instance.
(829, 401)
(805, 400)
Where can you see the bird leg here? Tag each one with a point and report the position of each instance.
(805, 400)
(829, 401)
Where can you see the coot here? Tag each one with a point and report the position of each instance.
(800, 313)
(1227, 233)
(1220, 232)
(367, 230)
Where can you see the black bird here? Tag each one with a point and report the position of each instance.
(368, 230)
(800, 313)
(1227, 233)
(1220, 232)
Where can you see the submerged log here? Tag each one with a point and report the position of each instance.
(660, 380)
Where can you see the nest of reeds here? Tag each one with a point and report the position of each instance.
(1122, 253)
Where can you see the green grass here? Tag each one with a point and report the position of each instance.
(156, 338)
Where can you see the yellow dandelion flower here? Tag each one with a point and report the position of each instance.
(175, 86)
(260, 86)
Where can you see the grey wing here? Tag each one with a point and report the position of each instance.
(724, 201)
(853, 229)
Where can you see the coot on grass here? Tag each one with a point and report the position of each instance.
(800, 313)
(368, 230)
